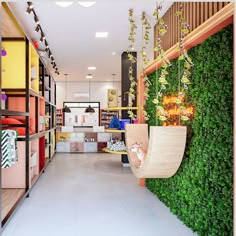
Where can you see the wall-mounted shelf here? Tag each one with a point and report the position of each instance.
(114, 131)
(121, 108)
(113, 152)
(5, 112)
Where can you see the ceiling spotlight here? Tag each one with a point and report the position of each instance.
(113, 53)
(46, 49)
(54, 66)
(64, 4)
(30, 7)
(91, 68)
(46, 44)
(42, 37)
(86, 4)
(36, 19)
(50, 54)
(37, 29)
(101, 34)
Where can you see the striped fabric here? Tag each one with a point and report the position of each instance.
(9, 148)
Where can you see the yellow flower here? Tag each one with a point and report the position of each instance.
(162, 118)
(184, 118)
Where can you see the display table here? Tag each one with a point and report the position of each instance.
(84, 140)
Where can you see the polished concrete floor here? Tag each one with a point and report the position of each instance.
(92, 195)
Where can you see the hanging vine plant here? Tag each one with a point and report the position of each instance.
(183, 76)
(145, 40)
(132, 59)
(162, 81)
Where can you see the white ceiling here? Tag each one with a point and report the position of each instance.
(70, 33)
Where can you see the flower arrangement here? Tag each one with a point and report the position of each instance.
(183, 75)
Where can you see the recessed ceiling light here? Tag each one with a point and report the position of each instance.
(64, 4)
(113, 53)
(101, 34)
(86, 4)
(89, 76)
(91, 68)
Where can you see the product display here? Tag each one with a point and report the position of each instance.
(9, 148)
(117, 146)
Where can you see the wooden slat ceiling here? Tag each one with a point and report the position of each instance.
(9, 28)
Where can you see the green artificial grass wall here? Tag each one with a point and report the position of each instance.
(201, 194)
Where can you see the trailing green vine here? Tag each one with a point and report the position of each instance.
(188, 64)
(145, 40)
(132, 59)
(161, 82)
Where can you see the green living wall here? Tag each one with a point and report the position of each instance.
(201, 194)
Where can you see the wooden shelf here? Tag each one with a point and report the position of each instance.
(32, 136)
(113, 152)
(22, 91)
(120, 108)
(114, 130)
(13, 113)
(10, 198)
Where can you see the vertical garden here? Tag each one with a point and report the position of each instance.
(201, 194)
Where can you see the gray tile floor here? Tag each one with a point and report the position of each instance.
(92, 195)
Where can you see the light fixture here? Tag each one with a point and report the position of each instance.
(86, 4)
(64, 4)
(30, 7)
(37, 28)
(66, 109)
(36, 19)
(113, 53)
(89, 109)
(91, 68)
(89, 76)
(42, 37)
(101, 34)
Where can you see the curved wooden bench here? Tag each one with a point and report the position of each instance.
(165, 149)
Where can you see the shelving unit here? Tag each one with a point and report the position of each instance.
(106, 117)
(118, 109)
(26, 104)
(59, 119)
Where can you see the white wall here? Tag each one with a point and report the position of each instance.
(98, 92)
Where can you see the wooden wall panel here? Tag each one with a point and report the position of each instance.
(195, 13)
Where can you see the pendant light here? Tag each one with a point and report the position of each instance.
(89, 109)
(66, 109)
